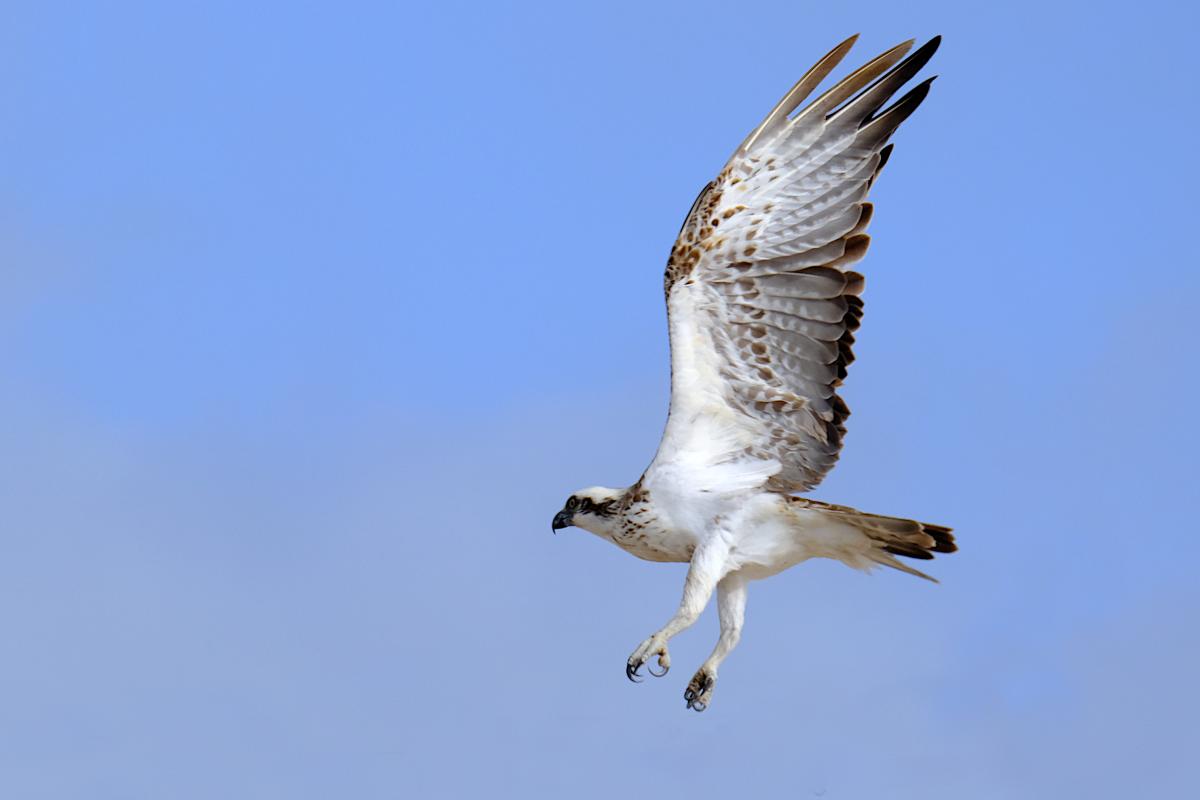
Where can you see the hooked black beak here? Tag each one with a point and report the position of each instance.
(561, 520)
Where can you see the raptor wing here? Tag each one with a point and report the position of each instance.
(761, 297)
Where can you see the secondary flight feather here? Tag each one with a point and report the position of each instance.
(763, 302)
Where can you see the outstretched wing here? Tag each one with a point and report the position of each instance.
(762, 302)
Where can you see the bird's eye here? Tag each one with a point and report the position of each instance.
(571, 503)
(586, 505)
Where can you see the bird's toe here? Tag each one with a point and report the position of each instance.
(654, 646)
(699, 691)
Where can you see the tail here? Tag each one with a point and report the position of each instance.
(893, 536)
(908, 538)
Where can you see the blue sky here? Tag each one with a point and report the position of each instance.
(312, 315)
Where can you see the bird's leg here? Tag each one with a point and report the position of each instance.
(731, 607)
(707, 568)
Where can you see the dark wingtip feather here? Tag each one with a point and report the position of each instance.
(884, 155)
(884, 124)
(920, 56)
(868, 102)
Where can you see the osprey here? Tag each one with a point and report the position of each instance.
(762, 305)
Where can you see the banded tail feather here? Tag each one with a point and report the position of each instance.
(893, 536)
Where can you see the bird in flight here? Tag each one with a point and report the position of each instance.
(763, 303)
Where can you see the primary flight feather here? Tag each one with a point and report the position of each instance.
(762, 304)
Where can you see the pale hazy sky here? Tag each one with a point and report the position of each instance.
(311, 317)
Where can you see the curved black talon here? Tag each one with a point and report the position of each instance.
(693, 695)
(665, 670)
(631, 671)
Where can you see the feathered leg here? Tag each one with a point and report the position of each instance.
(706, 570)
(731, 607)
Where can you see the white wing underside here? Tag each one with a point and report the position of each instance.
(761, 301)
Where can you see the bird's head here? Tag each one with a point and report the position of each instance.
(593, 509)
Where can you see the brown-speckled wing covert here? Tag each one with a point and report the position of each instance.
(763, 300)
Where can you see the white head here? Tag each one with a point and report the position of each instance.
(596, 509)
